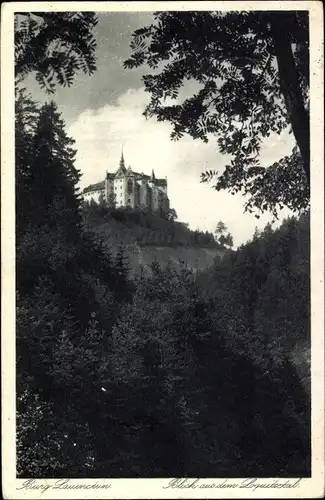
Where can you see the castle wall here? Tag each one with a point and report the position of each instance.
(137, 195)
(154, 196)
(145, 195)
(109, 191)
(119, 191)
(94, 195)
(130, 193)
(165, 204)
(158, 200)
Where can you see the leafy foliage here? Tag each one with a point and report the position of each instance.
(54, 45)
(240, 62)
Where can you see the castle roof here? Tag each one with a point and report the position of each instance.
(95, 187)
(120, 172)
(142, 176)
(158, 182)
(161, 182)
(101, 185)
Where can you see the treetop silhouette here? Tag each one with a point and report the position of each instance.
(253, 72)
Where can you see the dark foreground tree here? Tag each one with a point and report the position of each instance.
(64, 274)
(54, 45)
(26, 116)
(252, 71)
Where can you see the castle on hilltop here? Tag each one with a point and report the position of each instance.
(126, 188)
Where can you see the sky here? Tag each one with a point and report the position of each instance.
(103, 114)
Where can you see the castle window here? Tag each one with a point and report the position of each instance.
(130, 186)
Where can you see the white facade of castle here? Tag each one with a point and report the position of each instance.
(126, 188)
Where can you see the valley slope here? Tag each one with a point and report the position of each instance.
(145, 238)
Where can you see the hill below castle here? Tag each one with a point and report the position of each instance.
(147, 237)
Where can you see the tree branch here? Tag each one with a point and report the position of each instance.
(289, 83)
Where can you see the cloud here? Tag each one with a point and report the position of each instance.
(100, 135)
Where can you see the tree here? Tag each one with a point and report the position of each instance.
(54, 177)
(226, 240)
(111, 201)
(252, 70)
(54, 45)
(26, 116)
(172, 215)
(101, 200)
(221, 228)
(123, 284)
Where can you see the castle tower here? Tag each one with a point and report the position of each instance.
(109, 189)
(154, 192)
(122, 163)
(131, 191)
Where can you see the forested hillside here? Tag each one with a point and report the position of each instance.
(261, 294)
(143, 227)
(144, 236)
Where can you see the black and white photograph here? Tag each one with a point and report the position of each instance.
(163, 169)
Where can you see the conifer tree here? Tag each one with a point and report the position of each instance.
(123, 284)
(55, 177)
(26, 115)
